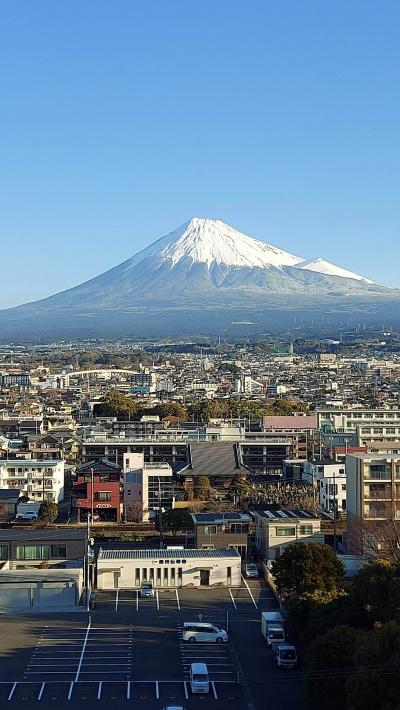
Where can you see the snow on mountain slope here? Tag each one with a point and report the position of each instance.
(322, 266)
(210, 241)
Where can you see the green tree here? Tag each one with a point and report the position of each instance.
(172, 409)
(117, 404)
(375, 684)
(308, 571)
(175, 519)
(48, 512)
(376, 591)
(326, 662)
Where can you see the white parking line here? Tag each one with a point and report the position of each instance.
(128, 690)
(99, 690)
(214, 690)
(157, 691)
(233, 601)
(41, 691)
(78, 670)
(137, 600)
(177, 600)
(186, 690)
(249, 591)
(71, 687)
(12, 691)
(157, 600)
(116, 600)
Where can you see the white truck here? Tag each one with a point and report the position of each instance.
(273, 627)
(285, 655)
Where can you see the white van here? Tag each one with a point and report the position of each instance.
(194, 631)
(199, 680)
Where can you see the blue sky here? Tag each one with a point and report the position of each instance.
(121, 120)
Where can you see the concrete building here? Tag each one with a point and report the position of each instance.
(97, 489)
(373, 487)
(329, 478)
(146, 487)
(32, 590)
(39, 480)
(129, 569)
(222, 531)
(276, 529)
(60, 548)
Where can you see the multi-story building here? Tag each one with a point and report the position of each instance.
(147, 487)
(329, 479)
(97, 489)
(222, 531)
(39, 480)
(276, 529)
(373, 486)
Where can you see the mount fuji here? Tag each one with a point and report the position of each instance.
(204, 277)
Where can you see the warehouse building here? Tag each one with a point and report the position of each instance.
(129, 569)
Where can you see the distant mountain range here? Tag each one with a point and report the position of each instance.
(205, 278)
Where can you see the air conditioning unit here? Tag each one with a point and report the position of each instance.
(397, 514)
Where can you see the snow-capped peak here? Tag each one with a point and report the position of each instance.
(211, 241)
(322, 266)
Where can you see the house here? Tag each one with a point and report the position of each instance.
(276, 529)
(97, 489)
(215, 531)
(8, 503)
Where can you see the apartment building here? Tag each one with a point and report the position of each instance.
(373, 486)
(97, 489)
(39, 480)
(369, 425)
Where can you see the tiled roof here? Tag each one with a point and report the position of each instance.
(161, 554)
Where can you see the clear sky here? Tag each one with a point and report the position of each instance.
(120, 120)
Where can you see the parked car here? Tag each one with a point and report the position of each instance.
(146, 590)
(194, 631)
(28, 515)
(251, 569)
(199, 680)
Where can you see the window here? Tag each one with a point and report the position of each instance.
(33, 552)
(210, 530)
(58, 551)
(306, 529)
(3, 552)
(103, 495)
(285, 532)
(343, 486)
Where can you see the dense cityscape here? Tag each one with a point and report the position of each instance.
(265, 474)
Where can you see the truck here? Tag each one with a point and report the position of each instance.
(273, 627)
(285, 655)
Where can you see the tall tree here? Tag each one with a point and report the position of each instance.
(308, 570)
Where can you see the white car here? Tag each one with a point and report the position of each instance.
(194, 632)
(28, 515)
(251, 569)
(146, 590)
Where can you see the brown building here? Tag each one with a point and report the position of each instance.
(222, 531)
(57, 547)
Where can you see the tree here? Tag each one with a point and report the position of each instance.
(175, 519)
(376, 592)
(48, 512)
(375, 683)
(308, 571)
(378, 540)
(327, 661)
(202, 488)
(172, 409)
(117, 404)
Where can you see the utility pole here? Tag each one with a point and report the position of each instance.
(334, 509)
(91, 492)
(88, 565)
(160, 516)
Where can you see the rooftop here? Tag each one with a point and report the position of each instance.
(161, 554)
(22, 535)
(220, 517)
(285, 515)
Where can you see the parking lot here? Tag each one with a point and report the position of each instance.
(130, 651)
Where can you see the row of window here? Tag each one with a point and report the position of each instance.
(291, 532)
(35, 552)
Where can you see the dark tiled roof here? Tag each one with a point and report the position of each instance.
(42, 534)
(220, 517)
(161, 554)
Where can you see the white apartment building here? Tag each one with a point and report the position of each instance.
(370, 425)
(329, 480)
(276, 529)
(146, 487)
(40, 480)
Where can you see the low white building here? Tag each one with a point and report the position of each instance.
(39, 480)
(129, 569)
(276, 529)
(329, 478)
